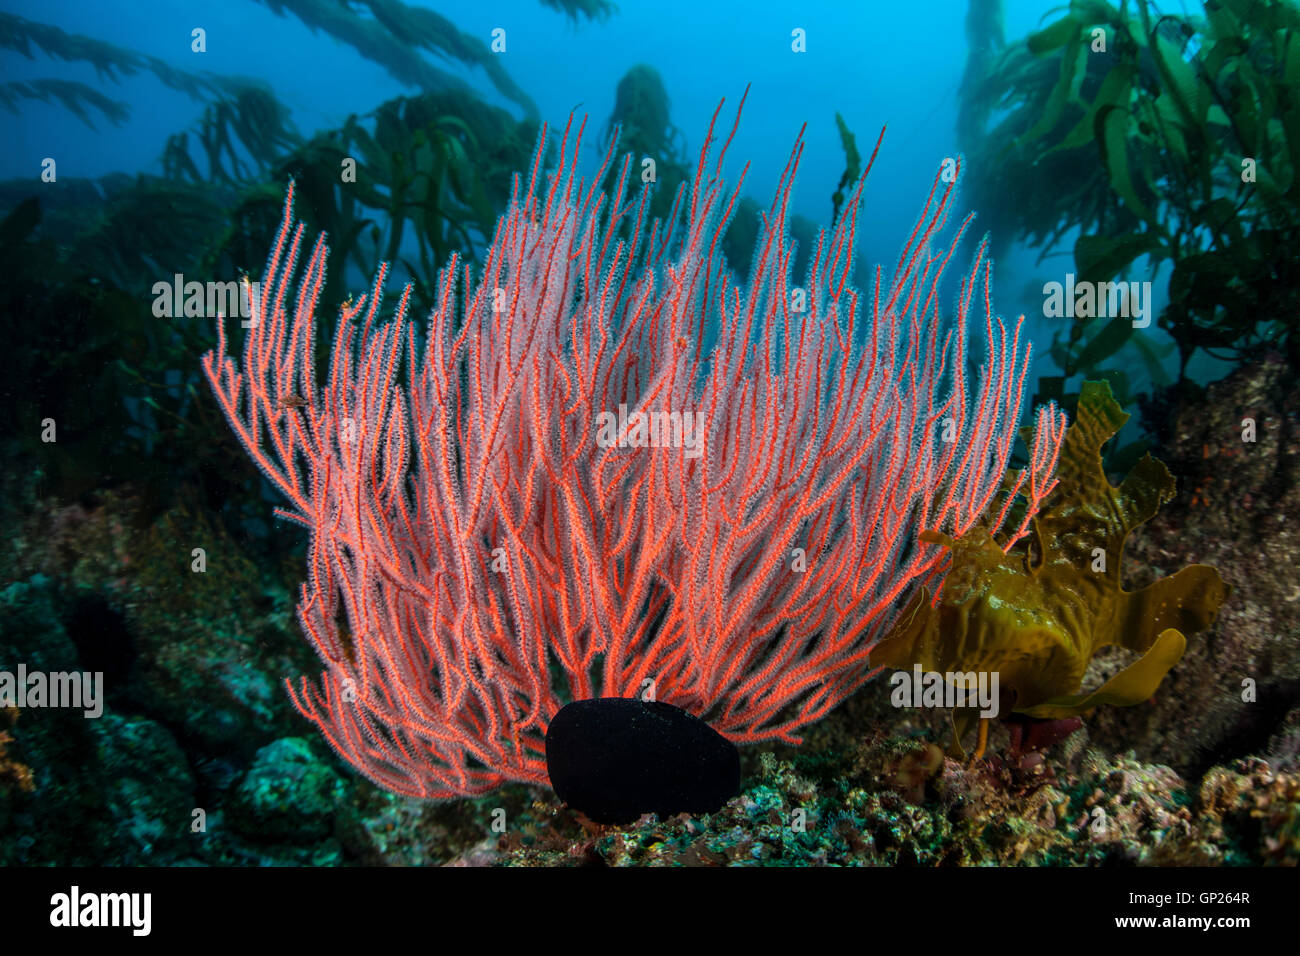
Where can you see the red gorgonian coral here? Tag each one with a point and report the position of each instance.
(740, 537)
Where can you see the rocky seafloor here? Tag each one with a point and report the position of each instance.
(199, 759)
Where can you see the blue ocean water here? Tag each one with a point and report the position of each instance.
(875, 63)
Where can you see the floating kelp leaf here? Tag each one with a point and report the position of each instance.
(109, 60)
(78, 98)
(393, 34)
(1036, 616)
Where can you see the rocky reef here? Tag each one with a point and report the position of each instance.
(199, 760)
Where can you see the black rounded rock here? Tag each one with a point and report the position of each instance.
(615, 758)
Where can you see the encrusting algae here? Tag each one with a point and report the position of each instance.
(1035, 615)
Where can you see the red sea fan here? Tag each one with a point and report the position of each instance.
(564, 495)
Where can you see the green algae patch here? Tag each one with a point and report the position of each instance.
(1036, 614)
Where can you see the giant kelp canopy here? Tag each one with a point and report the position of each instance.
(1159, 136)
(432, 174)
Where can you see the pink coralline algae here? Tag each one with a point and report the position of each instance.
(494, 529)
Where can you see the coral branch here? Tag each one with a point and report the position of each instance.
(562, 494)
